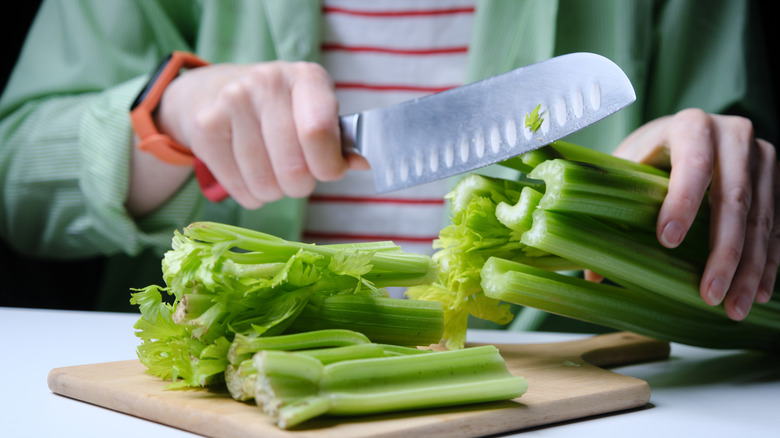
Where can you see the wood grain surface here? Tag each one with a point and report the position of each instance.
(566, 380)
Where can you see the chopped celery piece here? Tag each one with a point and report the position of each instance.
(376, 385)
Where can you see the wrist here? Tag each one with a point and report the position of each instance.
(145, 117)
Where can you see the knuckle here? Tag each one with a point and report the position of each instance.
(308, 70)
(763, 223)
(693, 120)
(737, 198)
(731, 255)
(267, 77)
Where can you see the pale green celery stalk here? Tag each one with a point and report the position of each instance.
(574, 152)
(241, 378)
(518, 217)
(382, 320)
(630, 262)
(637, 311)
(243, 347)
(389, 384)
(399, 268)
(496, 189)
(624, 196)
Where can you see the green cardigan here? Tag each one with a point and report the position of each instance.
(65, 136)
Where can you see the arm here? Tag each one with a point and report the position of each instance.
(65, 135)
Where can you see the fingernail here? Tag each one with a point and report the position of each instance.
(742, 306)
(672, 234)
(716, 292)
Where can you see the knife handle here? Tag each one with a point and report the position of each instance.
(213, 190)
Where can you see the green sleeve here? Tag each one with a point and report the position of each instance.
(677, 54)
(65, 133)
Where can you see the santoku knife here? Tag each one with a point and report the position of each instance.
(482, 123)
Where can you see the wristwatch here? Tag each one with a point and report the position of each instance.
(142, 111)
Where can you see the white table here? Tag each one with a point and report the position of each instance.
(697, 393)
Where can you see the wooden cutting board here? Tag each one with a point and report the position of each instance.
(565, 381)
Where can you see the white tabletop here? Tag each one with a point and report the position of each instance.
(696, 393)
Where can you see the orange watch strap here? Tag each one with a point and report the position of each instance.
(142, 111)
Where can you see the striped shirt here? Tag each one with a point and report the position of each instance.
(380, 53)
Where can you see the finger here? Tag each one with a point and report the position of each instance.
(647, 145)
(592, 276)
(768, 279)
(690, 142)
(357, 162)
(277, 121)
(249, 147)
(730, 201)
(750, 270)
(211, 142)
(315, 110)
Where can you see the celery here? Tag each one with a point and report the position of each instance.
(243, 347)
(475, 235)
(227, 280)
(293, 388)
(584, 209)
(620, 308)
(380, 319)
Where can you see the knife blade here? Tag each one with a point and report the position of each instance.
(475, 125)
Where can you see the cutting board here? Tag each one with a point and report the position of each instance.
(566, 380)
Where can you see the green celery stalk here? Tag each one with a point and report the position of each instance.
(627, 261)
(637, 311)
(574, 152)
(244, 347)
(382, 320)
(375, 385)
(624, 196)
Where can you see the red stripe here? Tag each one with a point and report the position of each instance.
(433, 51)
(400, 13)
(374, 200)
(349, 237)
(390, 87)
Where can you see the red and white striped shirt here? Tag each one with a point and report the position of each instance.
(379, 53)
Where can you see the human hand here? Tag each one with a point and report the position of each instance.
(720, 153)
(265, 130)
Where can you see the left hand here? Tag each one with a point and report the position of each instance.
(720, 153)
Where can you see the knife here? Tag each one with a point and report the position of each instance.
(478, 124)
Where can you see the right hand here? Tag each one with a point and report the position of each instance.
(265, 131)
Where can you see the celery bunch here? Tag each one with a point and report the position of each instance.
(228, 281)
(576, 208)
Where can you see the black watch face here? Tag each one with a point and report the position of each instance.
(145, 91)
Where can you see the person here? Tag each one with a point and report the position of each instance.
(263, 118)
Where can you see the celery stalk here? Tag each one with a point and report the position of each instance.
(624, 309)
(243, 347)
(389, 384)
(380, 319)
(628, 261)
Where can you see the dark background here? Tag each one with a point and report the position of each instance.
(71, 285)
